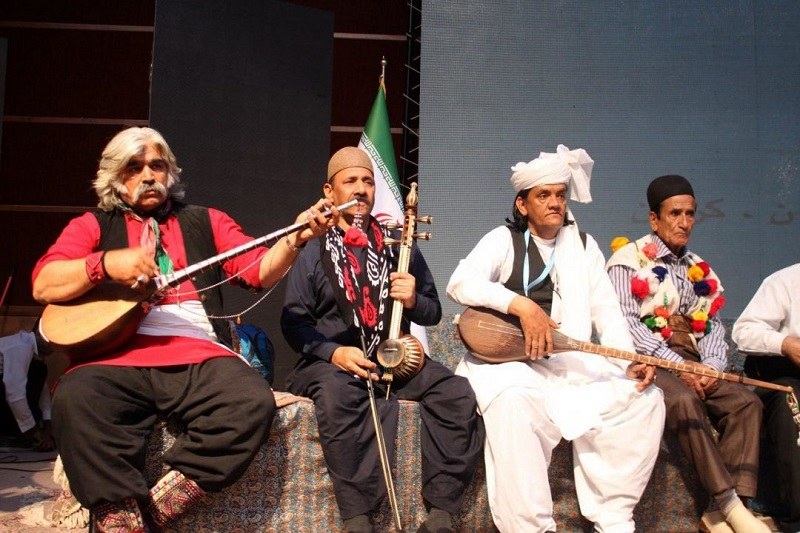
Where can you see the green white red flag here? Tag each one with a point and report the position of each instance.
(377, 142)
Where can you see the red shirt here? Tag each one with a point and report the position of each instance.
(82, 237)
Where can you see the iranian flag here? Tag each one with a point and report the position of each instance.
(377, 142)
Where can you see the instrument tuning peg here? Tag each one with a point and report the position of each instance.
(423, 236)
(425, 219)
(392, 225)
(390, 241)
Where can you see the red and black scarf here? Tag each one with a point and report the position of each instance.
(359, 276)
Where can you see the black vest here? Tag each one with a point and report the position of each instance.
(198, 240)
(541, 293)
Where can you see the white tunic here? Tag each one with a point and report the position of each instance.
(578, 396)
(581, 386)
(772, 314)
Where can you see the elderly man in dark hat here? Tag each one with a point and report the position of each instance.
(339, 298)
(671, 298)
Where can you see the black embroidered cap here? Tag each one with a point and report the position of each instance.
(664, 187)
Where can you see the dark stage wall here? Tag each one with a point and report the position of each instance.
(241, 90)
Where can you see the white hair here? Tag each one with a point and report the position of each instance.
(116, 155)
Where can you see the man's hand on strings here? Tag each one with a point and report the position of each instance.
(352, 361)
(130, 266)
(403, 288)
(536, 326)
(317, 222)
(646, 374)
(709, 384)
(701, 385)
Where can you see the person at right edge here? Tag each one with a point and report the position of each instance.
(671, 299)
(768, 331)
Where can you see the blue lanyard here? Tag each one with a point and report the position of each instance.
(526, 269)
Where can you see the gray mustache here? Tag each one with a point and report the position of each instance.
(147, 187)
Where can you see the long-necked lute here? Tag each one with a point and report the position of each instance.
(106, 317)
(497, 338)
(402, 356)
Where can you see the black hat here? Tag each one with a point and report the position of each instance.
(664, 187)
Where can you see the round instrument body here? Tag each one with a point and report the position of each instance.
(404, 357)
(492, 336)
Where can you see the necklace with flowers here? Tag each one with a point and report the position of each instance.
(659, 297)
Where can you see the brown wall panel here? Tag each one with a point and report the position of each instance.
(364, 16)
(13, 324)
(130, 12)
(72, 73)
(340, 140)
(84, 73)
(357, 67)
(51, 164)
(25, 238)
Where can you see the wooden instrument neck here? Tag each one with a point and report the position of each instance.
(404, 258)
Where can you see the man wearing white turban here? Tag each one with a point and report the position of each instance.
(541, 269)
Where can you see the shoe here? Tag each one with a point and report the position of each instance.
(358, 524)
(714, 522)
(171, 496)
(119, 517)
(742, 520)
(438, 521)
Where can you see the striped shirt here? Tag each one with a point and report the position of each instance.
(713, 348)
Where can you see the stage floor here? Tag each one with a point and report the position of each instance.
(27, 490)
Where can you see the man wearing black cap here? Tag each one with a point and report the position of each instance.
(671, 297)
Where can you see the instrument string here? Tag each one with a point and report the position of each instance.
(227, 280)
(275, 235)
(506, 333)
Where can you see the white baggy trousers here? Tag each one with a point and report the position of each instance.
(612, 462)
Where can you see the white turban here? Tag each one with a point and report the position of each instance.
(572, 167)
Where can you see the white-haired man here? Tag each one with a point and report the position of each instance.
(177, 364)
(541, 269)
